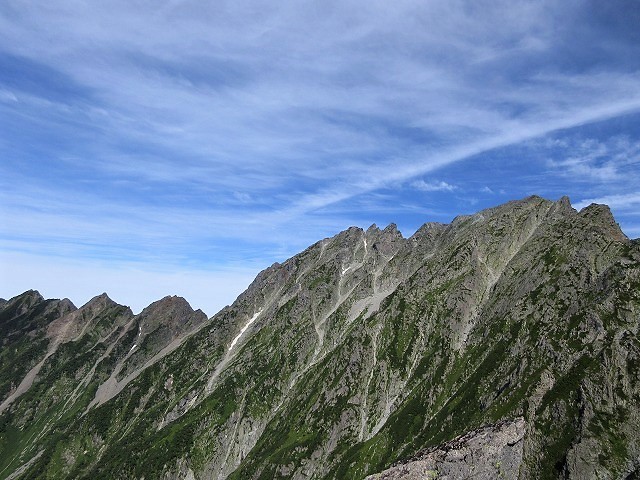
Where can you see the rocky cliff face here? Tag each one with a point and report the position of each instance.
(488, 453)
(357, 353)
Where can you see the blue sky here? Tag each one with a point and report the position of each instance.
(151, 148)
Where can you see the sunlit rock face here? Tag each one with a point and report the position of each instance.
(488, 453)
(506, 337)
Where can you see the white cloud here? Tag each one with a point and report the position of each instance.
(434, 186)
(242, 197)
(620, 202)
(604, 161)
(582, 169)
(7, 96)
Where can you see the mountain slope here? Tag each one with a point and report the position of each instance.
(356, 353)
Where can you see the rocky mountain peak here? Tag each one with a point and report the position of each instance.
(65, 306)
(564, 201)
(562, 208)
(20, 310)
(601, 216)
(170, 302)
(392, 229)
(428, 231)
(99, 302)
(74, 322)
(33, 294)
(348, 236)
(28, 298)
(373, 229)
(172, 312)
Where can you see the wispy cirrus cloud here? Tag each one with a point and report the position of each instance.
(606, 161)
(434, 186)
(181, 132)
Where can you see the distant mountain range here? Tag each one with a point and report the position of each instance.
(502, 345)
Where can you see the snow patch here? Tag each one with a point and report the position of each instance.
(244, 329)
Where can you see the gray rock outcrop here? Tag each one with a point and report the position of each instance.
(488, 453)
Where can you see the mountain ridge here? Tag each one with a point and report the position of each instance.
(358, 352)
(425, 227)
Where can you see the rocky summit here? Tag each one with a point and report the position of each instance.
(502, 345)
